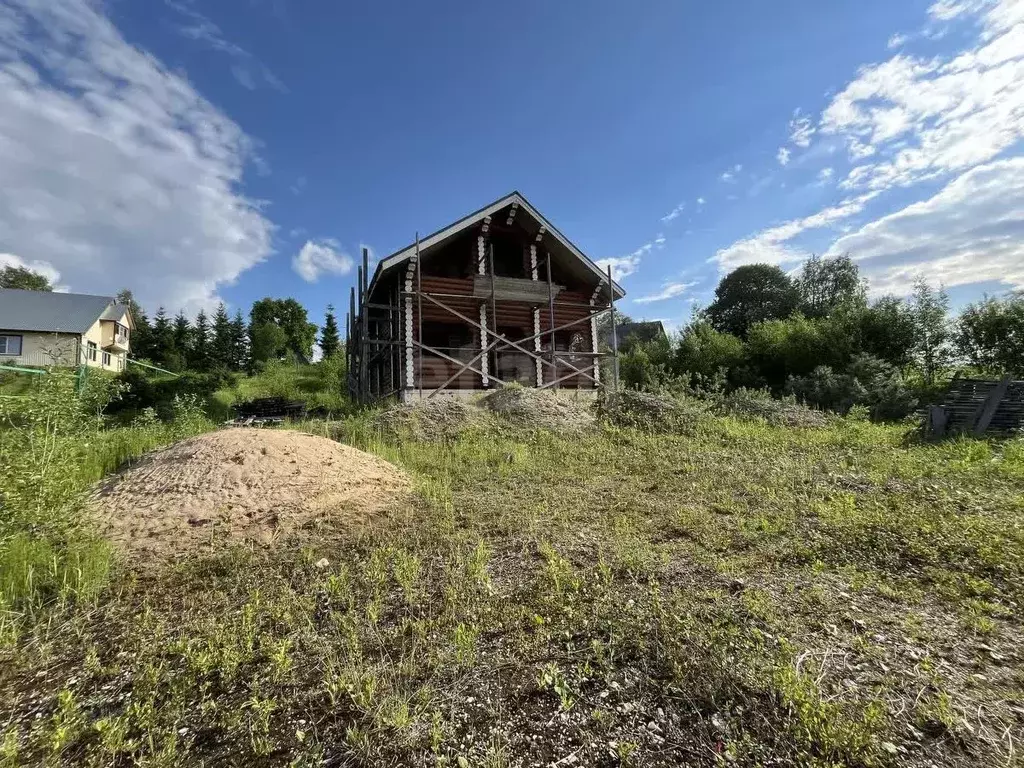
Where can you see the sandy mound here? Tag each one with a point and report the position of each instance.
(241, 485)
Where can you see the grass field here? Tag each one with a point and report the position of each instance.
(741, 594)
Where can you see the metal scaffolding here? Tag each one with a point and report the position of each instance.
(377, 337)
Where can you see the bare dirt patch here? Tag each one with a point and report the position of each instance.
(241, 486)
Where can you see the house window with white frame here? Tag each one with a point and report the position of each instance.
(10, 345)
(106, 359)
(91, 350)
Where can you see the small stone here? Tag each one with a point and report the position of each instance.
(322, 563)
(653, 727)
(182, 731)
(661, 714)
(889, 747)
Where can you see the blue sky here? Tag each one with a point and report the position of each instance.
(232, 149)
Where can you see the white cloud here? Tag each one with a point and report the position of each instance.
(659, 240)
(783, 156)
(115, 170)
(825, 175)
(44, 268)
(773, 246)
(622, 266)
(801, 129)
(947, 10)
(675, 213)
(727, 176)
(971, 231)
(897, 41)
(909, 120)
(701, 201)
(668, 291)
(321, 257)
(244, 66)
(926, 118)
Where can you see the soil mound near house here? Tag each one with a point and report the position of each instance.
(241, 486)
(439, 418)
(541, 408)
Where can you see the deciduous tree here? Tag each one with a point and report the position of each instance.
(24, 279)
(752, 294)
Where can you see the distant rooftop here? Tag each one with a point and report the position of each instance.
(50, 312)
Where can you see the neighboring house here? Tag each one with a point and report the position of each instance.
(41, 328)
(628, 334)
(500, 296)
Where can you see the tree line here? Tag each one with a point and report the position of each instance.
(277, 329)
(816, 336)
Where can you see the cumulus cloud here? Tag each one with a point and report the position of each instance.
(115, 171)
(701, 201)
(971, 231)
(321, 257)
(825, 175)
(783, 156)
(897, 41)
(668, 291)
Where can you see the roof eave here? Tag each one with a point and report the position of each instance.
(403, 255)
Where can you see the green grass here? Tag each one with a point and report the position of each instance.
(744, 594)
(319, 386)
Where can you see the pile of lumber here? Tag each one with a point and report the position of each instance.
(268, 410)
(977, 406)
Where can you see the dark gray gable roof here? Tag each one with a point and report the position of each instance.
(50, 312)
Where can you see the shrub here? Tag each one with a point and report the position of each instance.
(760, 404)
(827, 390)
(704, 353)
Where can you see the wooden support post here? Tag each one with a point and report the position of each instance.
(494, 305)
(364, 331)
(352, 370)
(989, 407)
(551, 317)
(615, 335)
(419, 311)
(359, 357)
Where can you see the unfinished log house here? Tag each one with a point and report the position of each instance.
(499, 296)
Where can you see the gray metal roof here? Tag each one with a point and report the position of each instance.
(50, 312)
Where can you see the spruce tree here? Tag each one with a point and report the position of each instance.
(329, 341)
(239, 343)
(181, 341)
(162, 338)
(199, 353)
(221, 345)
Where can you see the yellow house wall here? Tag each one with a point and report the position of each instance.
(43, 349)
(102, 332)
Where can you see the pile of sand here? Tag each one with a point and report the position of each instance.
(241, 485)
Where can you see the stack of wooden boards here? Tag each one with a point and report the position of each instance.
(977, 406)
(268, 410)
